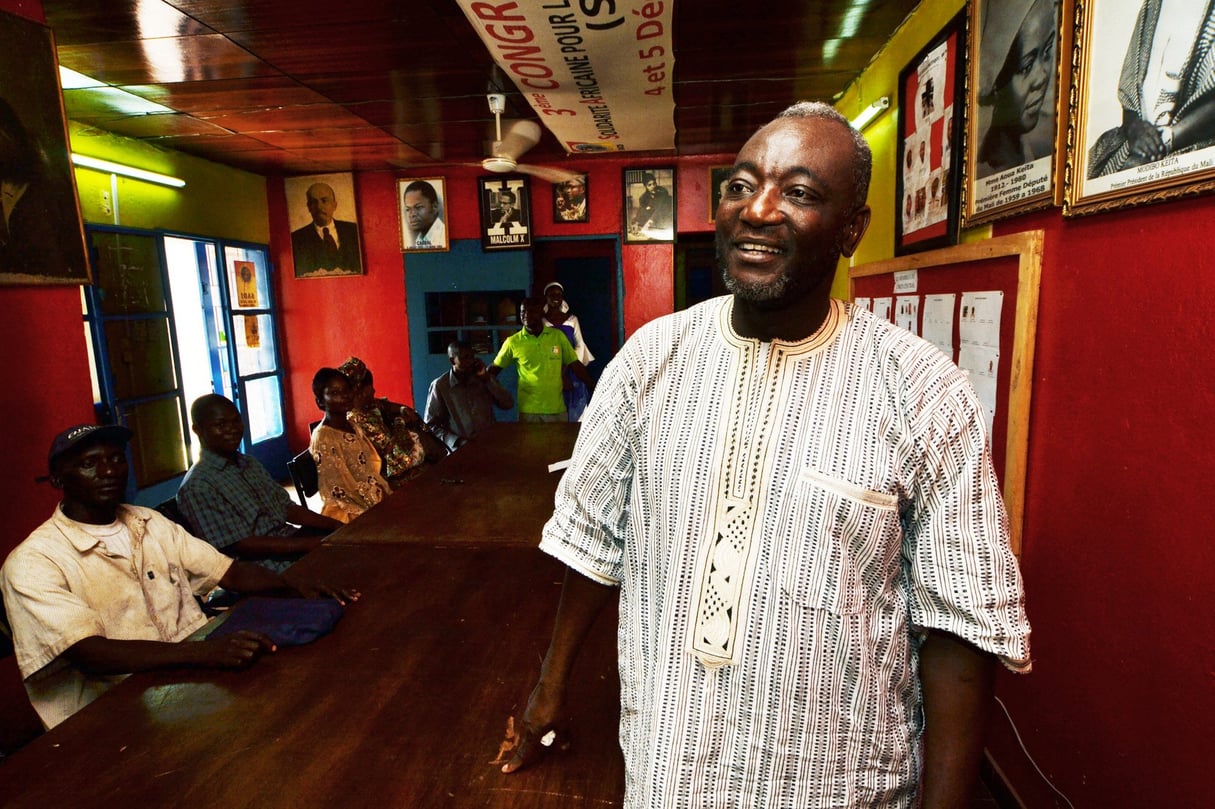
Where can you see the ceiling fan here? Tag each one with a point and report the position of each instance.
(509, 146)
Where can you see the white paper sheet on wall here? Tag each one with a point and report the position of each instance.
(938, 322)
(881, 308)
(864, 303)
(981, 364)
(980, 318)
(979, 353)
(907, 313)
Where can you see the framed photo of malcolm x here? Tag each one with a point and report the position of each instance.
(1141, 127)
(506, 221)
(649, 205)
(43, 236)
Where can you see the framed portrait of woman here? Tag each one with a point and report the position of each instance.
(1141, 127)
(928, 181)
(1013, 106)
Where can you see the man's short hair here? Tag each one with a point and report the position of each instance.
(205, 404)
(862, 157)
(646, 179)
(322, 378)
(456, 346)
(506, 194)
(425, 189)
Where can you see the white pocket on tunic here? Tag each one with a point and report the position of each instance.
(836, 543)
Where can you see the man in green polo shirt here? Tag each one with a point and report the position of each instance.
(539, 353)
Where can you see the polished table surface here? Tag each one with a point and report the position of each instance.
(495, 489)
(405, 703)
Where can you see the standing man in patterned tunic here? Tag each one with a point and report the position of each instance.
(797, 503)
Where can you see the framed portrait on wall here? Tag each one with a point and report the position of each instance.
(43, 238)
(570, 200)
(324, 226)
(1013, 106)
(506, 222)
(649, 205)
(1141, 127)
(422, 202)
(719, 176)
(930, 138)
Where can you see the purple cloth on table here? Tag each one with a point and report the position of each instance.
(286, 621)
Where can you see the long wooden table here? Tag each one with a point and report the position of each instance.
(495, 489)
(405, 704)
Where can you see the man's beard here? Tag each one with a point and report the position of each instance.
(784, 289)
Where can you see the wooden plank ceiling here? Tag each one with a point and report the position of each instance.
(307, 87)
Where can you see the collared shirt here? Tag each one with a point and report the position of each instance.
(227, 500)
(540, 359)
(62, 585)
(332, 230)
(786, 521)
(458, 410)
(435, 236)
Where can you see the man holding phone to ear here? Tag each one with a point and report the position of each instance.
(461, 402)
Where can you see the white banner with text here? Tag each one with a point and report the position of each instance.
(597, 72)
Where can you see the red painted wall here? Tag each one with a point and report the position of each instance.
(42, 345)
(1118, 554)
(325, 320)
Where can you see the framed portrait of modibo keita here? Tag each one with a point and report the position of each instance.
(1141, 126)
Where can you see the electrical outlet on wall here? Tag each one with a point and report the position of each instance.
(107, 206)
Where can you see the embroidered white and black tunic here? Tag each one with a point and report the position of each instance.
(785, 520)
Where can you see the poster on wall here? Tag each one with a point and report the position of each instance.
(719, 178)
(423, 212)
(324, 226)
(649, 205)
(505, 213)
(246, 284)
(570, 200)
(1012, 107)
(598, 75)
(930, 138)
(1141, 127)
(41, 233)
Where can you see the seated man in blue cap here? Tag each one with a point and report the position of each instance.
(230, 500)
(103, 589)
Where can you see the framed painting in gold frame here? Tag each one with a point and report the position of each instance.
(1141, 126)
(1014, 106)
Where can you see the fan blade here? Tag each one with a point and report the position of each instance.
(550, 173)
(518, 137)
